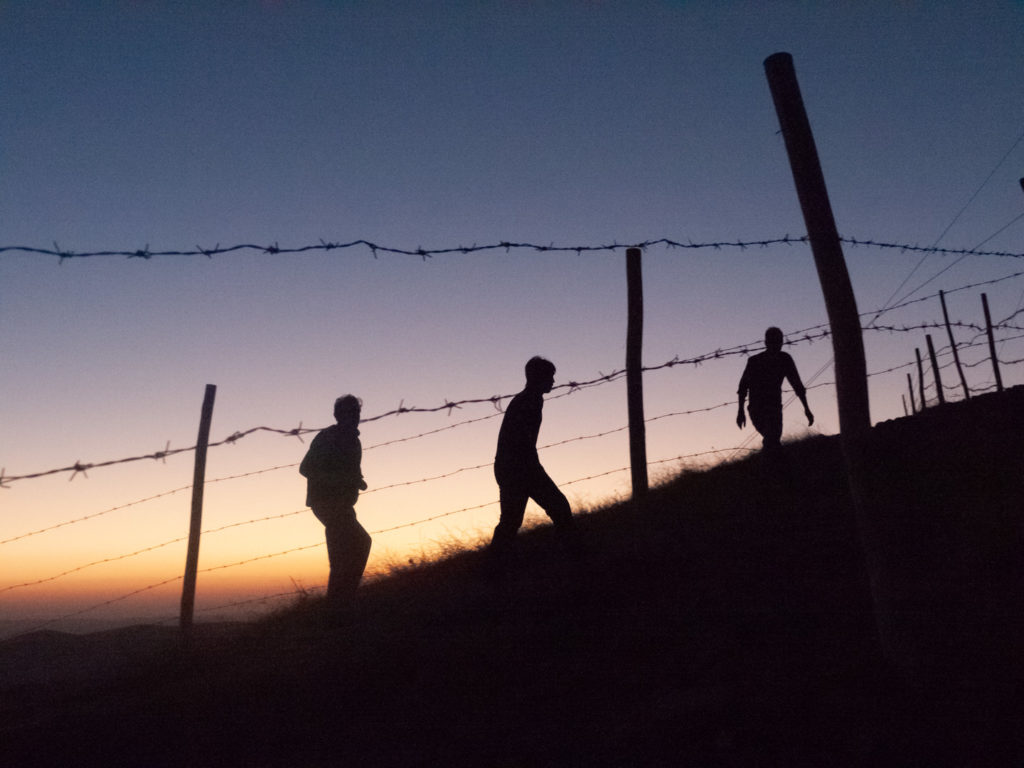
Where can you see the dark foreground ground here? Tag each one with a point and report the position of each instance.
(728, 623)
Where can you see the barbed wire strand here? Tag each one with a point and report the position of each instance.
(275, 249)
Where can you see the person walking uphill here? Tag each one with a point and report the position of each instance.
(334, 478)
(517, 467)
(762, 378)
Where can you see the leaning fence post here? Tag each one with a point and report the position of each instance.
(904, 399)
(840, 303)
(935, 369)
(634, 373)
(913, 402)
(188, 591)
(992, 338)
(952, 344)
(847, 343)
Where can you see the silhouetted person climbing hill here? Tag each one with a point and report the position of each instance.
(517, 467)
(762, 378)
(334, 480)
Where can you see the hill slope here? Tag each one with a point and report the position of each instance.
(727, 623)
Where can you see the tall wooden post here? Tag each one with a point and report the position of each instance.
(188, 590)
(877, 536)
(992, 338)
(952, 344)
(840, 303)
(935, 369)
(634, 373)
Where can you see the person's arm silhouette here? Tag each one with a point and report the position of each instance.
(741, 416)
(798, 388)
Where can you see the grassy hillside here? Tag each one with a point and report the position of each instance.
(727, 623)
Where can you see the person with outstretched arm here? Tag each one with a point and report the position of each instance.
(762, 380)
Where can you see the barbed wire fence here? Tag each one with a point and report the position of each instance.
(806, 335)
(376, 249)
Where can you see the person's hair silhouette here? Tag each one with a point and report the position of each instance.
(334, 479)
(517, 467)
(762, 378)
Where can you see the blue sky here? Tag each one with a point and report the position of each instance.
(170, 125)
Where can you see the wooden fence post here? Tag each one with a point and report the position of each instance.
(935, 369)
(840, 303)
(876, 531)
(634, 373)
(991, 337)
(952, 344)
(188, 591)
(904, 399)
(920, 377)
(910, 386)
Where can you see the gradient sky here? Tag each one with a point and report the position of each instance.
(176, 125)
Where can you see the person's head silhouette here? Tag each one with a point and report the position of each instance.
(773, 339)
(346, 410)
(540, 374)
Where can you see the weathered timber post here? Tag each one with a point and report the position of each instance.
(840, 303)
(634, 373)
(935, 369)
(952, 344)
(920, 377)
(992, 338)
(188, 590)
(904, 399)
(878, 536)
(910, 386)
